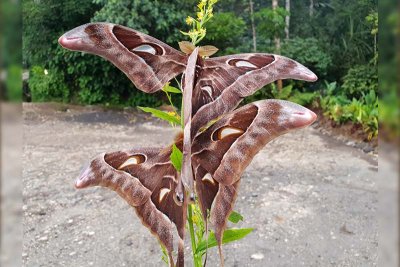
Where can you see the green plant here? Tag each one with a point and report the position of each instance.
(13, 83)
(47, 85)
(204, 14)
(286, 93)
(309, 52)
(359, 80)
(303, 98)
(226, 30)
(271, 22)
(389, 114)
(340, 109)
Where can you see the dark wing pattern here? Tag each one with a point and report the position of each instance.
(223, 82)
(146, 179)
(148, 62)
(221, 153)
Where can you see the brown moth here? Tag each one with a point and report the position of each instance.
(215, 156)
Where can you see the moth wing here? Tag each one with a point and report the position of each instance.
(223, 82)
(148, 62)
(222, 152)
(146, 179)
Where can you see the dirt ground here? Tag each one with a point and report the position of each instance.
(311, 198)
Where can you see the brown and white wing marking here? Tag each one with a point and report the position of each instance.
(222, 152)
(148, 62)
(223, 82)
(146, 179)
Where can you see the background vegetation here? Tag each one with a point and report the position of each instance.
(334, 38)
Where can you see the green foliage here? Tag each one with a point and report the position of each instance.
(341, 28)
(14, 83)
(389, 112)
(10, 32)
(235, 217)
(201, 240)
(176, 158)
(283, 93)
(164, 256)
(270, 22)
(47, 85)
(359, 80)
(204, 14)
(309, 52)
(286, 93)
(170, 89)
(303, 98)
(363, 111)
(230, 235)
(225, 31)
(171, 118)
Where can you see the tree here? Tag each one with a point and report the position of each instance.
(253, 27)
(277, 41)
(287, 18)
(225, 31)
(311, 8)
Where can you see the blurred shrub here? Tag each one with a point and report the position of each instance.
(286, 93)
(359, 80)
(389, 116)
(270, 22)
(13, 83)
(308, 52)
(225, 31)
(340, 109)
(47, 86)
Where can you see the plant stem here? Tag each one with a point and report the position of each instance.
(196, 259)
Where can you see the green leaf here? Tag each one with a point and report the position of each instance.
(230, 235)
(176, 158)
(164, 256)
(171, 89)
(285, 92)
(235, 217)
(161, 114)
(185, 33)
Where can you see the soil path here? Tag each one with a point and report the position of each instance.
(312, 199)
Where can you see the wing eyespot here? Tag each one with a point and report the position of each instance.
(133, 160)
(145, 48)
(208, 89)
(134, 43)
(208, 178)
(163, 193)
(148, 48)
(226, 131)
(240, 63)
(253, 62)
